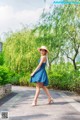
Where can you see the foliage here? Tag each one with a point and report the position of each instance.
(1, 58)
(59, 30)
(4, 75)
(14, 78)
(25, 80)
(62, 76)
(20, 52)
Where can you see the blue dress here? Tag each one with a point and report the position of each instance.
(40, 75)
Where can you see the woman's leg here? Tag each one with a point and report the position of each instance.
(37, 92)
(50, 99)
(38, 85)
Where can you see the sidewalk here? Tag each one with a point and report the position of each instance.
(18, 105)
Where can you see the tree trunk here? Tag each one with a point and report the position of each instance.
(49, 67)
(74, 63)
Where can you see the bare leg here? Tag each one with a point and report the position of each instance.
(50, 99)
(38, 85)
(37, 92)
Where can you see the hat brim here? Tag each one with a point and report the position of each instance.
(39, 49)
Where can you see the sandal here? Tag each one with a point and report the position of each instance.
(34, 103)
(51, 101)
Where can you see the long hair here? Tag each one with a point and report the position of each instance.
(47, 62)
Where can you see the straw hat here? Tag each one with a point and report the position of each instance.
(43, 48)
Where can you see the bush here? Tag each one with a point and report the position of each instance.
(75, 86)
(1, 58)
(14, 79)
(24, 80)
(4, 75)
(63, 77)
(20, 79)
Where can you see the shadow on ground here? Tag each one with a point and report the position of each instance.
(7, 98)
(29, 117)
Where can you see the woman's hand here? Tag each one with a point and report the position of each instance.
(41, 61)
(32, 74)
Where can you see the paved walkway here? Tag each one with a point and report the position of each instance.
(18, 104)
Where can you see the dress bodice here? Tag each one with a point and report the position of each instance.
(43, 64)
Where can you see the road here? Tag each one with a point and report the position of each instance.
(18, 105)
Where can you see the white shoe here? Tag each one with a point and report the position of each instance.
(34, 103)
(51, 101)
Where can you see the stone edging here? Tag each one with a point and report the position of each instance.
(5, 90)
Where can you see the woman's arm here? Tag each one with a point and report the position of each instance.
(41, 61)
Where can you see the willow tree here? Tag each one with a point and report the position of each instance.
(71, 37)
(49, 32)
(59, 29)
(19, 49)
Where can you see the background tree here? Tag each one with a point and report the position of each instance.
(71, 47)
(59, 29)
(19, 50)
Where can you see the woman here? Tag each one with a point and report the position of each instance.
(39, 76)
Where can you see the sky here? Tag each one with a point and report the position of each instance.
(15, 13)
